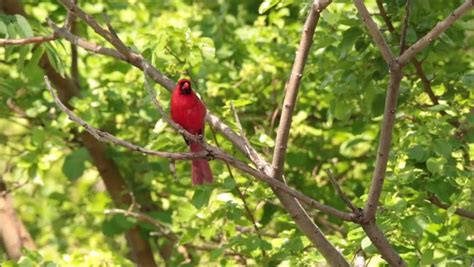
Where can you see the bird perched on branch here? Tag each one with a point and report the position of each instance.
(189, 112)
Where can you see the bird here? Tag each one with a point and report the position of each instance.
(188, 111)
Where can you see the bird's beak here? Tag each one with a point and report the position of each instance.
(186, 89)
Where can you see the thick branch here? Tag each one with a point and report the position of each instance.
(292, 89)
(384, 144)
(435, 32)
(375, 32)
(13, 233)
(381, 243)
(293, 206)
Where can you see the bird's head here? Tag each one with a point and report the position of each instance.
(184, 87)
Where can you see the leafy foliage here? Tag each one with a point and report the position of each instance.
(241, 51)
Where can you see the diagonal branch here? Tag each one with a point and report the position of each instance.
(385, 16)
(375, 32)
(292, 89)
(461, 212)
(435, 32)
(384, 145)
(306, 225)
(340, 192)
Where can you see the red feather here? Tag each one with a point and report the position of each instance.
(188, 111)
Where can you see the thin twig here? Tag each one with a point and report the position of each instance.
(25, 41)
(384, 16)
(70, 19)
(239, 126)
(145, 218)
(406, 20)
(435, 32)
(340, 192)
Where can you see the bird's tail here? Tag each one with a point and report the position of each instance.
(201, 171)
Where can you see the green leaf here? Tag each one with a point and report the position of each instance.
(201, 196)
(419, 153)
(74, 164)
(229, 183)
(24, 26)
(435, 165)
(443, 148)
(266, 5)
(3, 28)
(427, 258)
(349, 37)
(437, 108)
(414, 224)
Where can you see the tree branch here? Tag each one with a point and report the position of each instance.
(461, 212)
(384, 16)
(306, 225)
(374, 31)
(25, 41)
(384, 144)
(382, 244)
(406, 19)
(435, 32)
(340, 192)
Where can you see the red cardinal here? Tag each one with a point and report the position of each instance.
(189, 112)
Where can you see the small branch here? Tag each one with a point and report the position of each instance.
(374, 31)
(145, 218)
(70, 19)
(25, 41)
(384, 144)
(461, 212)
(435, 32)
(340, 192)
(406, 19)
(239, 125)
(92, 47)
(384, 16)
